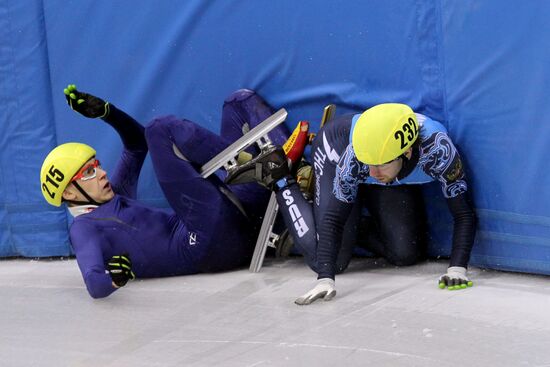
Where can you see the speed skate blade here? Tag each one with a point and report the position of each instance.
(328, 113)
(266, 237)
(227, 158)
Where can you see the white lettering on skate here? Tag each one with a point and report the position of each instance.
(192, 238)
(297, 219)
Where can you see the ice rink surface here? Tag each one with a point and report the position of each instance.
(381, 316)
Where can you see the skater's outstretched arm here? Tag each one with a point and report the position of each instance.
(131, 132)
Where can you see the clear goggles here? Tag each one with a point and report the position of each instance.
(88, 172)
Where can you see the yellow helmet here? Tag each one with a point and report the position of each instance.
(384, 132)
(59, 168)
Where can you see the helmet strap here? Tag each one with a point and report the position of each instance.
(409, 164)
(90, 200)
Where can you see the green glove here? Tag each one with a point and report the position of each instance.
(85, 104)
(455, 279)
(120, 269)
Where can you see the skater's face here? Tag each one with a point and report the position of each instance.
(386, 172)
(93, 179)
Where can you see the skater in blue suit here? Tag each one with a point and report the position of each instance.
(376, 160)
(210, 227)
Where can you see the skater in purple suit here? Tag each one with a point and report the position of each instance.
(211, 227)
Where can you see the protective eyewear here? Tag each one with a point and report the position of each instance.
(87, 172)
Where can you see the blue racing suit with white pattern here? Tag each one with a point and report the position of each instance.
(434, 158)
(326, 230)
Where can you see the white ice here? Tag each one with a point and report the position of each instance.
(381, 316)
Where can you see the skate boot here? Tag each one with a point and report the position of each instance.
(284, 244)
(266, 169)
(296, 144)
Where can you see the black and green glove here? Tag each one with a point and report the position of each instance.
(120, 269)
(455, 279)
(85, 104)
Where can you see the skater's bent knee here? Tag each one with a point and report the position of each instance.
(406, 258)
(161, 127)
(240, 95)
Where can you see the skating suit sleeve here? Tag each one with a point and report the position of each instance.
(125, 177)
(440, 159)
(349, 174)
(86, 243)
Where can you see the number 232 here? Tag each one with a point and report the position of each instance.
(408, 131)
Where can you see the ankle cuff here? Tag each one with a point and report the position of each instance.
(284, 182)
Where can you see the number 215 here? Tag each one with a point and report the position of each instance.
(53, 177)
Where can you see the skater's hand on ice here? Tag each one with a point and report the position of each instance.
(85, 104)
(455, 279)
(324, 289)
(120, 269)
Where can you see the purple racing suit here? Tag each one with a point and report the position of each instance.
(210, 226)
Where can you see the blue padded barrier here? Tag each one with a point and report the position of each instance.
(460, 62)
(28, 226)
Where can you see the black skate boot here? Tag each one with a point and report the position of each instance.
(266, 169)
